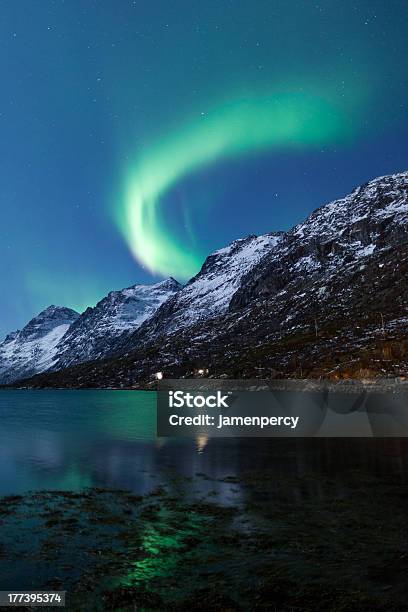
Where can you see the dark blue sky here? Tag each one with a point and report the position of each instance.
(89, 87)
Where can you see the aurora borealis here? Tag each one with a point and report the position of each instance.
(138, 136)
(234, 129)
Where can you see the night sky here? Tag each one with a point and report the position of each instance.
(136, 137)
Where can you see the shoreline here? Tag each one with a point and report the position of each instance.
(113, 549)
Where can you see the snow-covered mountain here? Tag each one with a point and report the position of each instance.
(208, 294)
(33, 349)
(95, 333)
(60, 337)
(345, 233)
(329, 297)
(372, 217)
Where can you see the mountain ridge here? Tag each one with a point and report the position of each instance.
(95, 332)
(282, 303)
(79, 337)
(33, 348)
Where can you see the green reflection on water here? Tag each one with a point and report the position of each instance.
(165, 546)
(129, 415)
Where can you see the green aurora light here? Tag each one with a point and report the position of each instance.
(241, 127)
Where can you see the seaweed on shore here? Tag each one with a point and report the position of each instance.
(113, 550)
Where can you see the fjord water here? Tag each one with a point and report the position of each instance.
(57, 439)
(228, 521)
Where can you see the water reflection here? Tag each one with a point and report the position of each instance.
(68, 439)
(201, 443)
